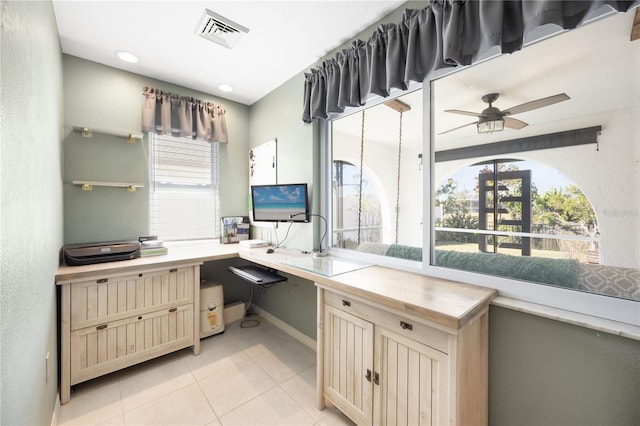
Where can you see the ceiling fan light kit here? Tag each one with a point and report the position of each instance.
(491, 119)
(490, 126)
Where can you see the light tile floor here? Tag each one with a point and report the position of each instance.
(244, 376)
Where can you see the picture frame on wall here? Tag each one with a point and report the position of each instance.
(234, 229)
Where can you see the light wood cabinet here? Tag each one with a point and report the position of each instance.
(348, 365)
(382, 366)
(112, 321)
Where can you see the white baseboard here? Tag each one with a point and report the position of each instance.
(277, 322)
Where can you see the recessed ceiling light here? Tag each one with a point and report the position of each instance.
(126, 56)
(225, 88)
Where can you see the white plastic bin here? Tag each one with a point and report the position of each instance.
(211, 308)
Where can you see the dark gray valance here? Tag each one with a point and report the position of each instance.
(445, 34)
(170, 114)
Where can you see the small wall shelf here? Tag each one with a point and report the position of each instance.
(88, 133)
(88, 185)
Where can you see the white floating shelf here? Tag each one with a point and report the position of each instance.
(87, 132)
(88, 185)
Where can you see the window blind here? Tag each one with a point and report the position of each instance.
(184, 200)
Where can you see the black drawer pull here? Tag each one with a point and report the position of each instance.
(346, 303)
(173, 310)
(406, 325)
(101, 327)
(140, 317)
(173, 270)
(376, 378)
(368, 375)
(139, 275)
(102, 280)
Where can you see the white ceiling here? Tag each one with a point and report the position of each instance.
(284, 39)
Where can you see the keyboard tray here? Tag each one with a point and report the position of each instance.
(256, 274)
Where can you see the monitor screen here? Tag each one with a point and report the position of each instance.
(280, 203)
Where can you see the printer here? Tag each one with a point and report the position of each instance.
(110, 251)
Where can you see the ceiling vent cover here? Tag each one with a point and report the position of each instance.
(219, 29)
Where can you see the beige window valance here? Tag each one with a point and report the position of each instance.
(170, 114)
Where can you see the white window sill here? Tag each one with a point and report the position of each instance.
(582, 320)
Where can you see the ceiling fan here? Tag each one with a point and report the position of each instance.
(491, 119)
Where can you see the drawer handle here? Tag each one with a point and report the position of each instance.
(140, 317)
(368, 376)
(139, 275)
(173, 310)
(101, 327)
(173, 270)
(376, 379)
(406, 325)
(346, 303)
(102, 280)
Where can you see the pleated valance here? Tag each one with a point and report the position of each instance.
(445, 34)
(170, 114)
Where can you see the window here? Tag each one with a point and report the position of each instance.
(515, 218)
(584, 204)
(377, 178)
(356, 207)
(184, 200)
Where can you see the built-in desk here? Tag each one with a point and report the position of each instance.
(374, 324)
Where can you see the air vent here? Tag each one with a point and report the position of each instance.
(219, 29)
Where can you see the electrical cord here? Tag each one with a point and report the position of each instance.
(250, 323)
(275, 231)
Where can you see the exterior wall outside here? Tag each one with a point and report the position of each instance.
(31, 210)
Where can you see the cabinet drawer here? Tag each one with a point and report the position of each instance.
(393, 321)
(110, 346)
(102, 300)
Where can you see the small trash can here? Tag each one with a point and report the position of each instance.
(211, 308)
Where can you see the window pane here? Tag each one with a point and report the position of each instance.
(184, 195)
(520, 216)
(377, 179)
(356, 215)
(562, 214)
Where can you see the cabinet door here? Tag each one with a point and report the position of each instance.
(108, 347)
(348, 364)
(413, 384)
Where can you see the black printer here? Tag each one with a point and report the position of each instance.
(110, 251)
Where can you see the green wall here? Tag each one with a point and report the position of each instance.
(100, 97)
(30, 209)
(544, 372)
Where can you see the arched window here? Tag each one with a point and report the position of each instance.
(489, 214)
(357, 216)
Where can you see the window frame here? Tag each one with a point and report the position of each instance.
(575, 301)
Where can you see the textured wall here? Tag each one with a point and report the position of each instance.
(543, 372)
(31, 210)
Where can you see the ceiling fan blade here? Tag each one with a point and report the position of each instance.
(514, 123)
(538, 103)
(457, 111)
(456, 128)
